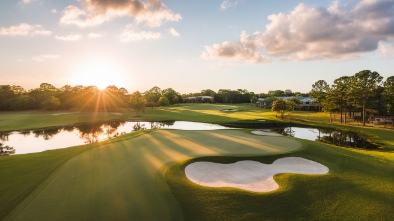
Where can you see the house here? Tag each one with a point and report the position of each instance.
(198, 99)
(307, 103)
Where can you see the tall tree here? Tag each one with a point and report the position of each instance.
(293, 103)
(6, 97)
(319, 91)
(364, 86)
(153, 95)
(171, 95)
(389, 94)
(280, 106)
(137, 102)
(341, 94)
(268, 101)
(208, 92)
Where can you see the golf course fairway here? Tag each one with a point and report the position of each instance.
(125, 180)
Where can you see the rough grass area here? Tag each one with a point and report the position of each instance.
(358, 187)
(123, 180)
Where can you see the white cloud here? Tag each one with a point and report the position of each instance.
(94, 35)
(173, 32)
(25, 2)
(71, 37)
(42, 32)
(94, 12)
(24, 29)
(54, 11)
(310, 33)
(130, 35)
(44, 57)
(228, 4)
(244, 50)
(386, 50)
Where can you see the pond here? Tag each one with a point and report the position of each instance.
(31, 141)
(331, 136)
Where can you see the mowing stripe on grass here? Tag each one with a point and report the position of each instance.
(124, 180)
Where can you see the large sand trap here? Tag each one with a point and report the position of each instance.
(266, 133)
(250, 175)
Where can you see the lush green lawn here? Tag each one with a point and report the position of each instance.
(124, 180)
(21, 174)
(191, 112)
(188, 112)
(358, 187)
(133, 175)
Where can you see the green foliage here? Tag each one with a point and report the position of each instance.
(137, 102)
(280, 106)
(163, 101)
(364, 86)
(320, 90)
(153, 95)
(171, 95)
(358, 187)
(389, 94)
(51, 103)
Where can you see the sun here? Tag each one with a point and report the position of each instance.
(100, 73)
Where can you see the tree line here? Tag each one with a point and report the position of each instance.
(90, 98)
(352, 96)
(356, 96)
(83, 98)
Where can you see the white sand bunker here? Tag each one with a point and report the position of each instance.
(250, 175)
(266, 133)
(227, 110)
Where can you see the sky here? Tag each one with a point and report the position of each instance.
(257, 45)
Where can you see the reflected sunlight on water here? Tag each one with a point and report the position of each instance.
(40, 140)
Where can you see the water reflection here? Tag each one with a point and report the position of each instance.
(62, 137)
(46, 134)
(6, 150)
(336, 137)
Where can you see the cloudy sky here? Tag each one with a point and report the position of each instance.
(195, 44)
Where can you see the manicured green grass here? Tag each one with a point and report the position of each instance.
(358, 187)
(123, 180)
(21, 174)
(23, 120)
(10, 121)
(124, 177)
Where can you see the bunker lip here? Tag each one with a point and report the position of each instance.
(250, 175)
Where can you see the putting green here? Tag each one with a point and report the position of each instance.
(125, 180)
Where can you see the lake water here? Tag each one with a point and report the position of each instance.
(336, 137)
(32, 141)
